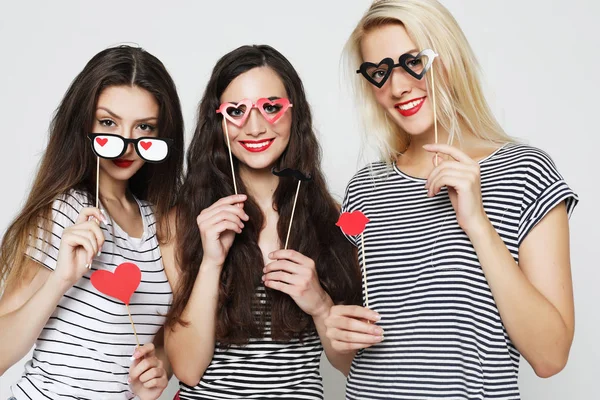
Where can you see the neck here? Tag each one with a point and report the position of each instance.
(112, 189)
(261, 185)
(415, 150)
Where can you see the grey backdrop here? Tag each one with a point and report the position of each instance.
(540, 63)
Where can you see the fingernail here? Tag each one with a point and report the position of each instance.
(99, 252)
(132, 358)
(128, 380)
(270, 255)
(377, 317)
(88, 265)
(263, 278)
(380, 338)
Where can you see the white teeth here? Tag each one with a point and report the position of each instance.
(257, 145)
(410, 105)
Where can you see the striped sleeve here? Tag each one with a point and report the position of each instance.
(544, 189)
(43, 246)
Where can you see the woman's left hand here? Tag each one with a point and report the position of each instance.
(461, 176)
(296, 275)
(147, 377)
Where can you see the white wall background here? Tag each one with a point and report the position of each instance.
(540, 59)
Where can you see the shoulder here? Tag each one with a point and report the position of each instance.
(524, 155)
(68, 205)
(369, 173)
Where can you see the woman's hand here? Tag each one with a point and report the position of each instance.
(349, 328)
(218, 225)
(147, 377)
(462, 178)
(79, 244)
(296, 275)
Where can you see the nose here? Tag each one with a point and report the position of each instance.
(255, 125)
(400, 82)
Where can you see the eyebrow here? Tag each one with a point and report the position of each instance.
(112, 114)
(270, 98)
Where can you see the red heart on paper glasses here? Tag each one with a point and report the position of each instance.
(121, 284)
(240, 121)
(272, 118)
(145, 145)
(260, 104)
(101, 141)
(352, 223)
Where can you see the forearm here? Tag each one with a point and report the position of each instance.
(190, 347)
(340, 361)
(19, 329)
(534, 325)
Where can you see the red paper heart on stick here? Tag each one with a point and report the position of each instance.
(121, 284)
(352, 223)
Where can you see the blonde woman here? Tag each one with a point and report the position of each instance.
(467, 252)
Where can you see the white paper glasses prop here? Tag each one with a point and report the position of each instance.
(417, 66)
(150, 149)
(272, 109)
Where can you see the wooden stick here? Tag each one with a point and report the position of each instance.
(89, 265)
(292, 217)
(97, 181)
(133, 326)
(362, 239)
(435, 128)
(230, 156)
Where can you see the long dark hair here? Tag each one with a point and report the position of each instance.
(69, 162)
(208, 179)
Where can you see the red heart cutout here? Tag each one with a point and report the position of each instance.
(121, 284)
(101, 141)
(239, 121)
(145, 145)
(352, 223)
(282, 102)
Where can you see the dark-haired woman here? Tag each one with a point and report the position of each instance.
(125, 101)
(248, 317)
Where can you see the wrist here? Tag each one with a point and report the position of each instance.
(58, 283)
(478, 226)
(322, 311)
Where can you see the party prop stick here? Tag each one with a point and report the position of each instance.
(121, 285)
(288, 172)
(230, 156)
(352, 224)
(435, 125)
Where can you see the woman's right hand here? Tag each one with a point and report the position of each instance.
(348, 329)
(79, 244)
(218, 226)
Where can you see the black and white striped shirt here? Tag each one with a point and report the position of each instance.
(262, 369)
(84, 350)
(443, 334)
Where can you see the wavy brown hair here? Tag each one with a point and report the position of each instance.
(208, 179)
(69, 162)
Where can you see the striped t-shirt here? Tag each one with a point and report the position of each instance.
(443, 334)
(262, 369)
(84, 350)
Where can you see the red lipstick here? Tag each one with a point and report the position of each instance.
(257, 146)
(121, 163)
(410, 107)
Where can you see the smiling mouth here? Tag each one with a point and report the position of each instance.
(410, 107)
(256, 146)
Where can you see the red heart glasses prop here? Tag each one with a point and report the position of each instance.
(352, 224)
(246, 105)
(120, 284)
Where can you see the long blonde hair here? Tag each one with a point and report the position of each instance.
(460, 102)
